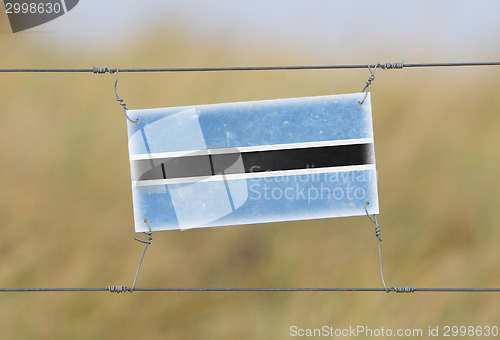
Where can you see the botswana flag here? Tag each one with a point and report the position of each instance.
(252, 162)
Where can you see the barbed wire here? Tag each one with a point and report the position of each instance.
(398, 65)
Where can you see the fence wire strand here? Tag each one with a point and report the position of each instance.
(246, 68)
(173, 289)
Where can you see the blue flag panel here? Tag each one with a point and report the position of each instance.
(252, 162)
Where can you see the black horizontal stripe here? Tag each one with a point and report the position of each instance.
(304, 158)
(253, 161)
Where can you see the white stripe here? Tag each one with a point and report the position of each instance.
(251, 148)
(169, 154)
(64, 6)
(254, 175)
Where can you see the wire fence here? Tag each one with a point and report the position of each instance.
(371, 67)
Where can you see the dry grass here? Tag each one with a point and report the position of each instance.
(66, 211)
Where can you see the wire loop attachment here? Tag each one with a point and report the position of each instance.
(102, 70)
(122, 289)
(377, 235)
(385, 66)
(373, 218)
(368, 83)
(147, 243)
(120, 100)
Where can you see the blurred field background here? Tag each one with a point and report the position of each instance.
(66, 208)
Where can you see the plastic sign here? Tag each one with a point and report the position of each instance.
(252, 162)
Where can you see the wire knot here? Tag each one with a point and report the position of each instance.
(374, 221)
(103, 70)
(378, 232)
(392, 66)
(403, 289)
(118, 289)
(148, 241)
(147, 233)
(368, 82)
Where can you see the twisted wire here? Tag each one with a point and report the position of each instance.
(368, 83)
(147, 242)
(117, 289)
(104, 70)
(392, 66)
(118, 99)
(379, 239)
(377, 234)
(248, 68)
(404, 289)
